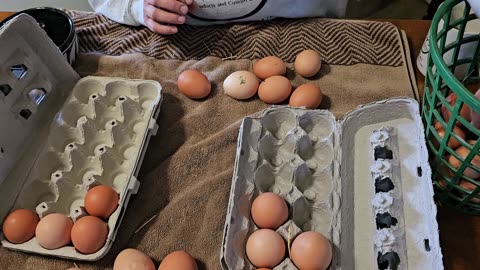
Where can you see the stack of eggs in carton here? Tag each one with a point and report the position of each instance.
(83, 172)
(290, 162)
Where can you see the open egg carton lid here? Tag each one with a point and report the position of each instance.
(62, 135)
(363, 182)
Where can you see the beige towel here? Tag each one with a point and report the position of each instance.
(186, 175)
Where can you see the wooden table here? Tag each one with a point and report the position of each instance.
(459, 234)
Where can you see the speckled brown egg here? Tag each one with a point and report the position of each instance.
(463, 152)
(193, 84)
(306, 95)
(307, 63)
(53, 231)
(311, 250)
(101, 201)
(19, 226)
(265, 248)
(269, 211)
(89, 234)
(269, 66)
(275, 90)
(131, 258)
(178, 260)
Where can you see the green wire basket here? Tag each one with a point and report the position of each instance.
(451, 138)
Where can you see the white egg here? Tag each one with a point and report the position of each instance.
(241, 84)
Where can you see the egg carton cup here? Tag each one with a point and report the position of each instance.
(79, 133)
(363, 182)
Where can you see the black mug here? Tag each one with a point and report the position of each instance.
(58, 26)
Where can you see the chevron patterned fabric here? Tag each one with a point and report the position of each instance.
(339, 42)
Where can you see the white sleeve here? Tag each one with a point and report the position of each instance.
(122, 11)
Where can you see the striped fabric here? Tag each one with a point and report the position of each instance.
(339, 42)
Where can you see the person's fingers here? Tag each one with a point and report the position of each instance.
(162, 16)
(179, 7)
(160, 28)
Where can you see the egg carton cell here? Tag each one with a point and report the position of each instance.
(118, 91)
(88, 89)
(309, 217)
(319, 156)
(276, 152)
(279, 123)
(75, 111)
(275, 179)
(318, 126)
(315, 187)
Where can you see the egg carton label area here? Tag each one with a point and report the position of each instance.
(363, 182)
(62, 136)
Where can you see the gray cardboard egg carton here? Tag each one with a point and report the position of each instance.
(67, 135)
(334, 177)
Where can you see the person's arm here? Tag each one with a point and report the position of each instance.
(122, 11)
(160, 16)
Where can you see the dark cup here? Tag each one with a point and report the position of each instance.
(58, 26)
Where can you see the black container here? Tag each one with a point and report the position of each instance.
(58, 26)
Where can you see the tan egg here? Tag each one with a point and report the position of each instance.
(275, 90)
(311, 250)
(53, 231)
(131, 258)
(269, 211)
(265, 248)
(19, 226)
(269, 66)
(307, 63)
(178, 260)
(101, 201)
(89, 234)
(465, 111)
(470, 187)
(193, 84)
(306, 95)
(462, 151)
(241, 84)
(452, 142)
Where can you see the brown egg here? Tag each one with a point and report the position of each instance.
(263, 268)
(178, 260)
(194, 84)
(269, 66)
(89, 234)
(101, 201)
(311, 250)
(274, 90)
(131, 258)
(241, 85)
(306, 95)
(269, 211)
(452, 142)
(465, 111)
(53, 231)
(470, 187)
(19, 226)
(265, 248)
(307, 63)
(462, 151)
(74, 268)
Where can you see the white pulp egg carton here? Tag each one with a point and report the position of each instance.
(62, 135)
(363, 182)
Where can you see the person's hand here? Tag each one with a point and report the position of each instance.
(161, 16)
